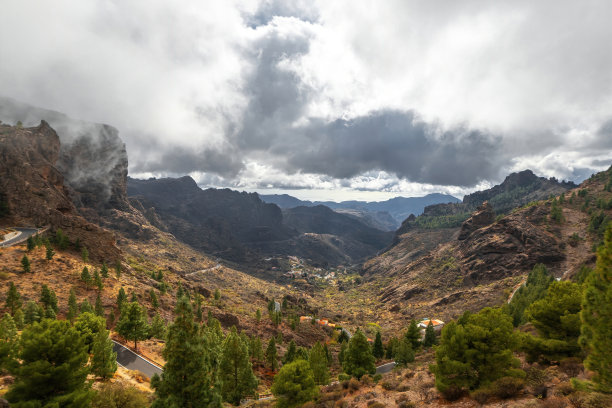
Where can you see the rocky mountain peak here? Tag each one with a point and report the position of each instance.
(483, 216)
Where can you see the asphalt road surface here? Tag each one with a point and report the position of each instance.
(132, 361)
(385, 368)
(24, 234)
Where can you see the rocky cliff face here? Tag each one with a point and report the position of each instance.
(483, 216)
(35, 190)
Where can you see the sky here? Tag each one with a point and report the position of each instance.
(326, 99)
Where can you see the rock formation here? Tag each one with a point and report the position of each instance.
(483, 216)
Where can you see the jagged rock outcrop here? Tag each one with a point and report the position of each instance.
(35, 190)
(483, 216)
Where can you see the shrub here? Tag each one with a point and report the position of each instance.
(377, 377)
(535, 376)
(453, 393)
(375, 404)
(343, 377)
(481, 395)
(583, 399)
(389, 385)
(565, 388)
(571, 366)
(354, 384)
(366, 380)
(406, 404)
(507, 387)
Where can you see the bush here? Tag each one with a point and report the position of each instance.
(583, 399)
(571, 366)
(343, 377)
(113, 395)
(482, 395)
(389, 385)
(354, 384)
(453, 393)
(377, 377)
(507, 387)
(366, 380)
(375, 404)
(565, 388)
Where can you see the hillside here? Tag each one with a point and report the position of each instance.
(241, 228)
(379, 214)
(480, 264)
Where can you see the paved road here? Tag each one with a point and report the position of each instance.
(132, 361)
(24, 234)
(385, 368)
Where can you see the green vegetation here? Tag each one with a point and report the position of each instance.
(271, 355)
(187, 380)
(596, 315)
(8, 344)
(235, 370)
(72, 307)
(25, 264)
(104, 359)
(319, 364)
(13, 298)
(48, 298)
(556, 317)
(358, 359)
(49, 252)
(132, 324)
(430, 336)
(474, 351)
(52, 369)
(535, 288)
(294, 385)
(413, 335)
(378, 349)
(89, 325)
(441, 221)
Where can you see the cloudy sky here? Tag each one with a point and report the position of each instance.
(326, 99)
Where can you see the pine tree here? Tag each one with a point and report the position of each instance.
(430, 336)
(9, 344)
(271, 356)
(291, 353)
(596, 315)
(84, 254)
(118, 269)
(158, 327)
(111, 317)
(25, 264)
(391, 348)
(413, 335)
(538, 281)
(99, 309)
(235, 370)
(378, 350)
(327, 354)
(188, 378)
(342, 352)
(132, 324)
(294, 385)
(358, 359)
(474, 351)
(179, 291)
(98, 280)
(13, 298)
(121, 298)
(256, 349)
(318, 364)
(61, 239)
(404, 353)
(85, 307)
(30, 243)
(49, 252)
(104, 359)
(154, 301)
(33, 313)
(86, 277)
(48, 298)
(19, 318)
(258, 315)
(134, 298)
(52, 370)
(73, 309)
(89, 325)
(217, 295)
(104, 270)
(343, 337)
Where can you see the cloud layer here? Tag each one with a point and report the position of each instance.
(394, 96)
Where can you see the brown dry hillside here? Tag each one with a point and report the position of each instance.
(482, 269)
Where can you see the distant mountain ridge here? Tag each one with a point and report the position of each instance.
(399, 208)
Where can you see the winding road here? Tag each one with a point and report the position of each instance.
(24, 233)
(132, 361)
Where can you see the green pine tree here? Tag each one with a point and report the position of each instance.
(61, 239)
(294, 385)
(358, 359)
(132, 324)
(13, 299)
(342, 352)
(154, 301)
(121, 298)
(104, 359)
(89, 325)
(258, 315)
(318, 364)
(378, 350)
(99, 309)
(73, 309)
(404, 353)
(538, 281)
(271, 355)
(48, 298)
(158, 327)
(430, 336)
(9, 344)
(30, 243)
(86, 277)
(413, 335)
(84, 254)
(596, 315)
(188, 377)
(235, 370)
(25, 264)
(474, 351)
(98, 280)
(85, 307)
(33, 313)
(53, 368)
(19, 318)
(104, 270)
(291, 353)
(49, 253)
(256, 349)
